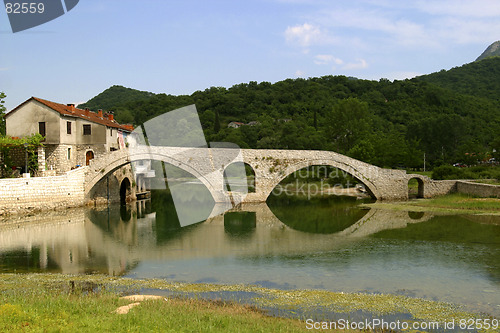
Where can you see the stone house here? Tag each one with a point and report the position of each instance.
(73, 136)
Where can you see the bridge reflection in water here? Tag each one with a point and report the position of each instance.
(113, 240)
(337, 246)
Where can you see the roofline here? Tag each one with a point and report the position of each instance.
(17, 107)
(39, 100)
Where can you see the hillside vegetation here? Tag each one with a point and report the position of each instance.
(451, 116)
(480, 78)
(113, 96)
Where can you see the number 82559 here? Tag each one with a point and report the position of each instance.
(24, 8)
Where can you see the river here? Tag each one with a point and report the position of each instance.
(287, 243)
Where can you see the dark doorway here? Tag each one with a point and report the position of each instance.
(89, 156)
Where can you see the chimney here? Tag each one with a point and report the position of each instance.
(87, 112)
(99, 113)
(71, 107)
(111, 117)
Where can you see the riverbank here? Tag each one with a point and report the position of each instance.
(84, 303)
(455, 203)
(61, 303)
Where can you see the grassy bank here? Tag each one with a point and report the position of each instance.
(63, 303)
(53, 303)
(456, 203)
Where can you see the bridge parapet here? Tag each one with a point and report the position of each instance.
(270, 167)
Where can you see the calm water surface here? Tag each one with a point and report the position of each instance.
(327, 243)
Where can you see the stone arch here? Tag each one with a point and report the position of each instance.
(420, 189)
(250, 185)
(370, 187)
(115, 160)
(125, 190)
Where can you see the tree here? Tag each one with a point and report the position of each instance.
(350, 121)
(495, 145)
(216, 122)
(315, 120)
(2, 113)
(123, 115)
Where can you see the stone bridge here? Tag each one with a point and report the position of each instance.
(270, 168)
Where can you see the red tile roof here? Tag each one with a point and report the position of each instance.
(72, 111)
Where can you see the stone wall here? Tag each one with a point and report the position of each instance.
(58, 158)
(478, 189)
(108, 188)
(435, 188)
(41, 193)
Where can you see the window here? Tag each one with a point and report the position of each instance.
(68, 127)
(87, 130)
(41, 128)
(69, 153)
(111, 132)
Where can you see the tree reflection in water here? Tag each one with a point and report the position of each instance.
(322, 214)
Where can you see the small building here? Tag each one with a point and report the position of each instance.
(235, 124)
(253, 123)
(73, 136)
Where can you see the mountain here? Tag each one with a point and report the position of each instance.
(115, 96)
(450, 115)
(492, 51)
(479, 78)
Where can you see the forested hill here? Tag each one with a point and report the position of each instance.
(113, 96)
(479, 78)
(389, 124)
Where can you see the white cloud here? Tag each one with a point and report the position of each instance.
(325, 59)
(359, 64)
(385, 33)
(426, 23)
(468, 32)
(328, 59)
(299, 73)
(367, 23)
(306, 35)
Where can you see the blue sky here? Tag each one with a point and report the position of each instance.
(180, 46)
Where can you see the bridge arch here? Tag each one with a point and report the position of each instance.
(231, 171)
(419, 191)
(369, 185)
(117, 159)
(125, 190)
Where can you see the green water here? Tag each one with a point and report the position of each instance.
(327, 243)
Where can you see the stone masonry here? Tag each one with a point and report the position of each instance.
(83, 185)
(270, 167)
(42, 193)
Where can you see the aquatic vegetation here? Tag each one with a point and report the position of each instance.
(286, 301)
